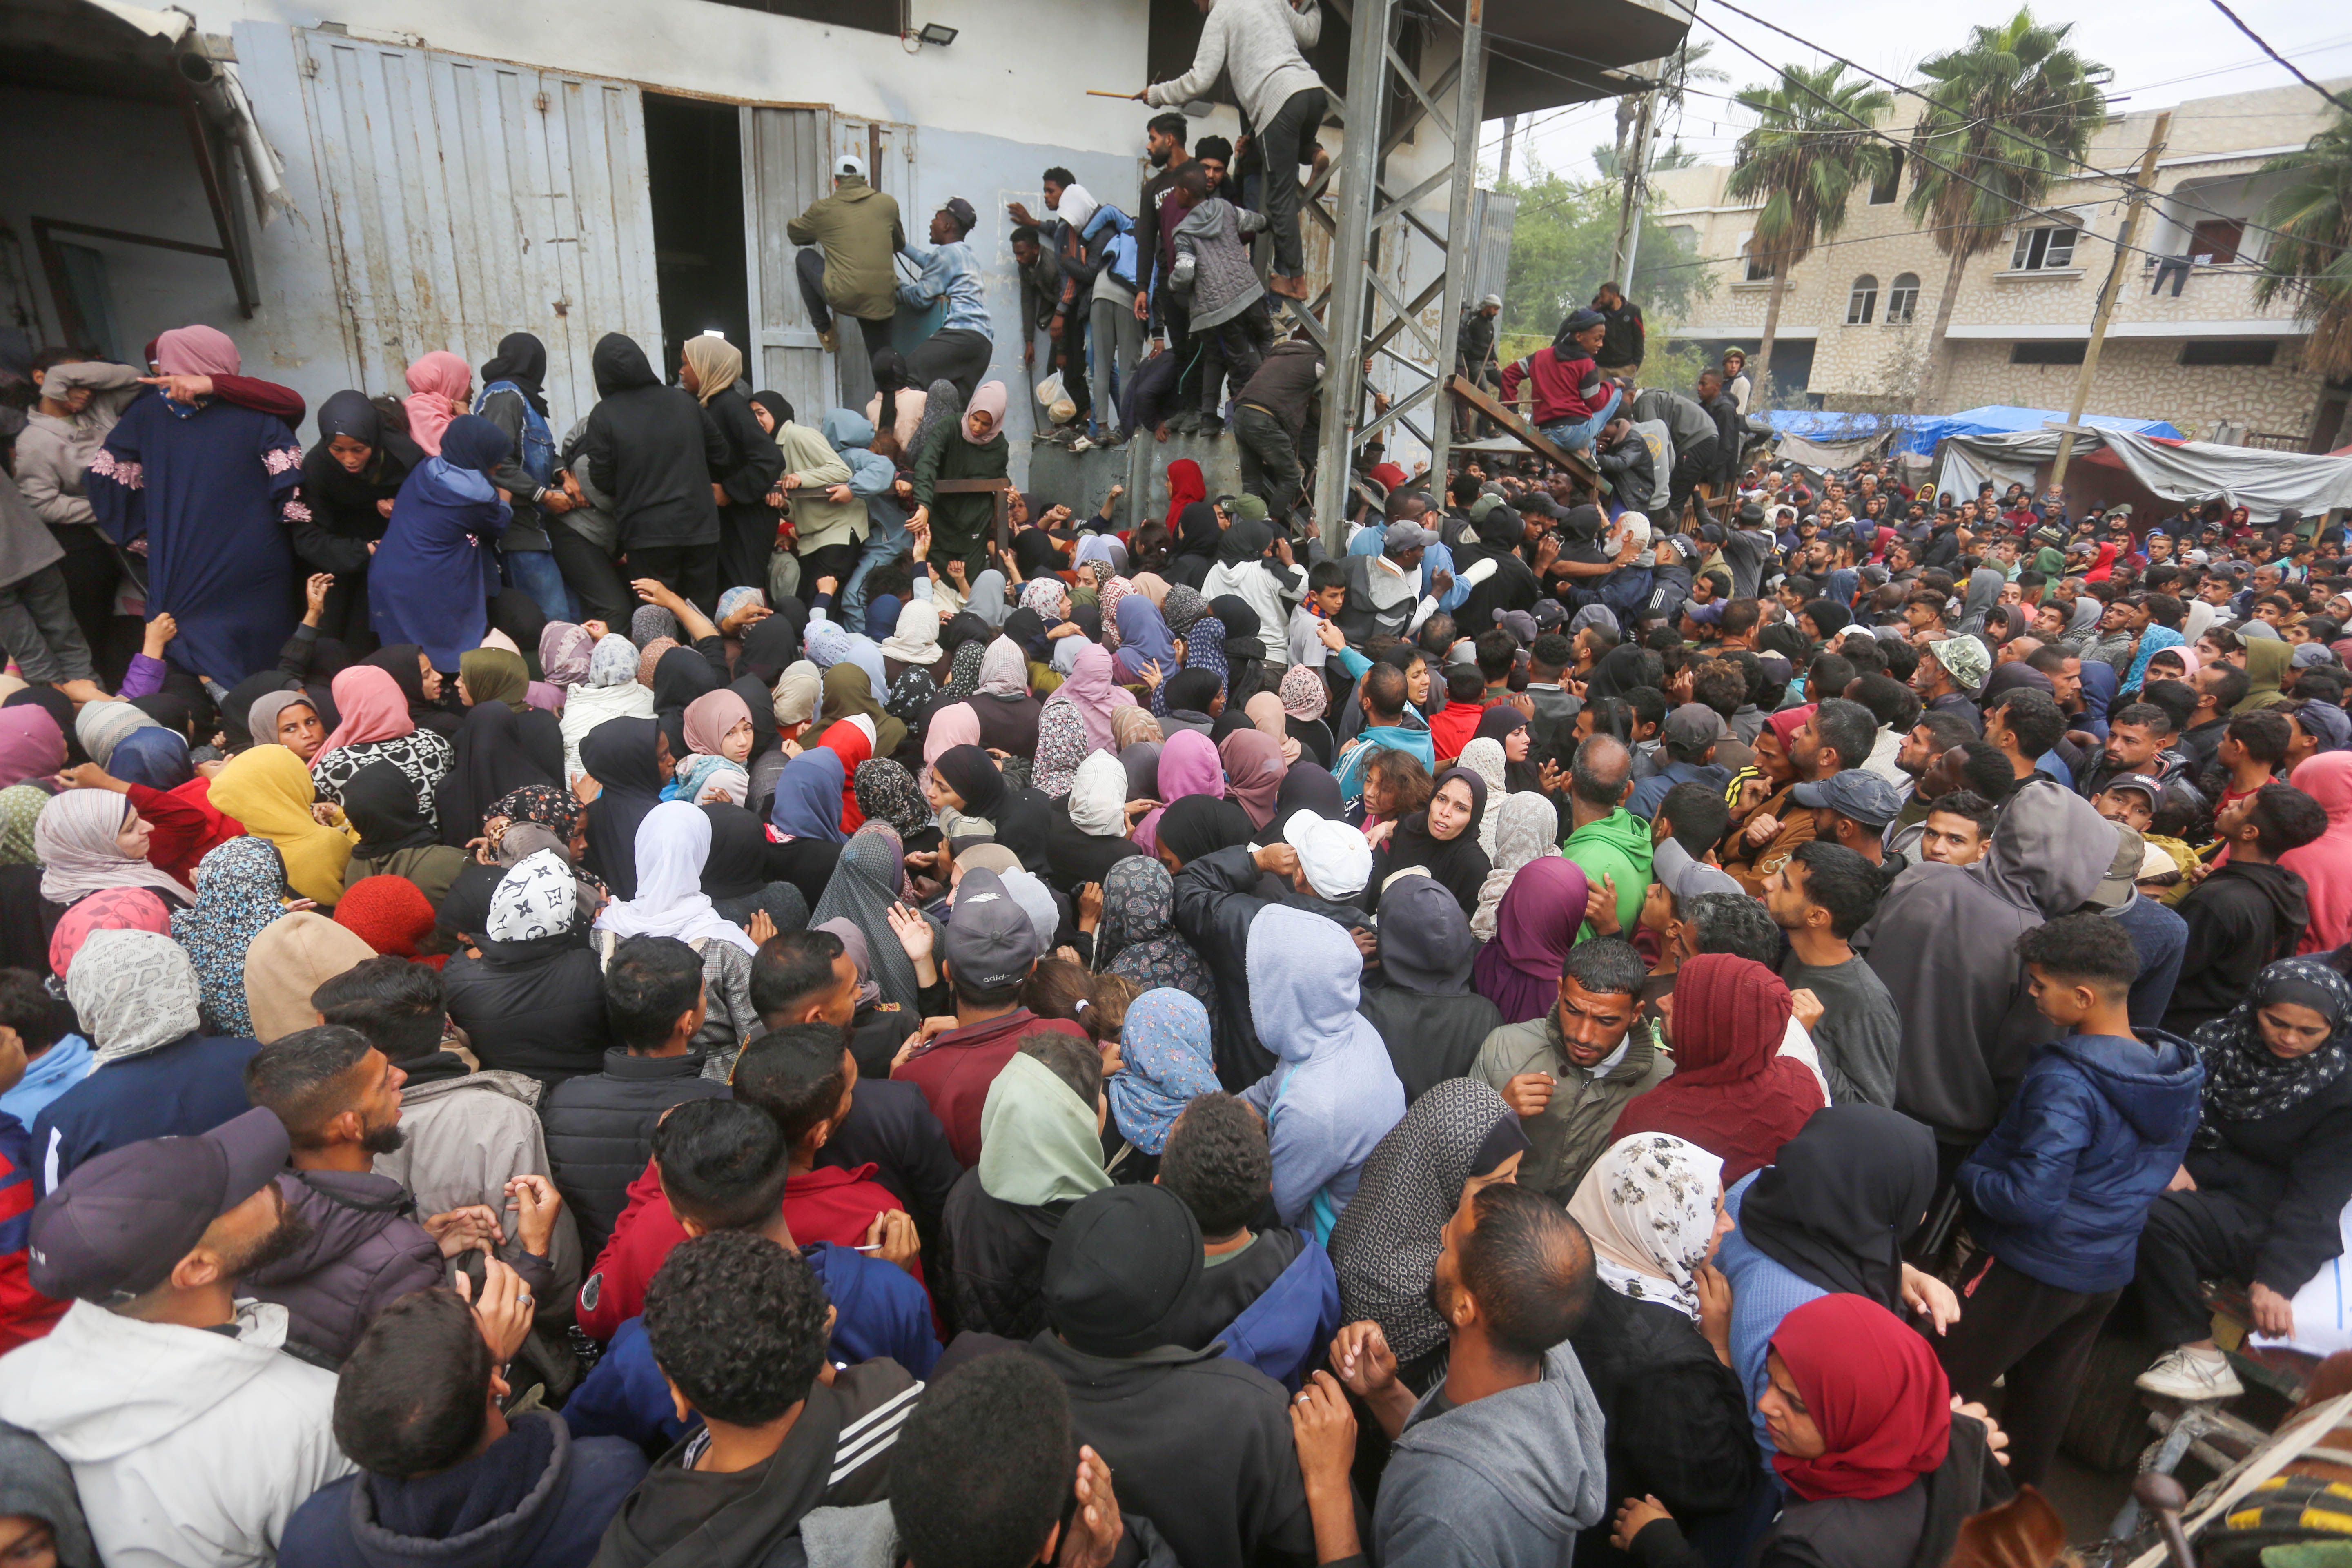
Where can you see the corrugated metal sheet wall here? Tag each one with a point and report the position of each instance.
(469, 198)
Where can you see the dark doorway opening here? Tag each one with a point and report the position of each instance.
(694, 161)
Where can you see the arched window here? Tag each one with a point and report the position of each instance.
(1862, 301)
(1903, 300)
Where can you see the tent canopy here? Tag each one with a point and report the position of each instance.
(1922, 433)
(2264, 482)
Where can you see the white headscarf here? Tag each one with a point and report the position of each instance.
(537, 898)
(134, 991)
(1483, 756)
(673, 842)
(1098, 796)
(1526, 827)
(1648, 1206)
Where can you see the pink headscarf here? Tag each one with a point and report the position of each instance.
(434, 382)
(370, 705)
(31, 744)
(1254, 763)
(954, 725)
(1087, 688)
(1189, 764)
(110, 908)
(197, 350)
(708, 718)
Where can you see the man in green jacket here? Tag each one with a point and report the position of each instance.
(1569, 1073)
(1608, 844)
(855, 232)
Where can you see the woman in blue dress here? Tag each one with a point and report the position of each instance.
(435, 573)
(204, 490)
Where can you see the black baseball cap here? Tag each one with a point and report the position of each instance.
(2140, 782)
(962, 211)
(119, 1224)
(990, 940)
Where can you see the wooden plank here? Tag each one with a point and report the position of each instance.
(1578, 472)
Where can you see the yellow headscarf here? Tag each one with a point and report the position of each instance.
(269, 791)
(716, 363)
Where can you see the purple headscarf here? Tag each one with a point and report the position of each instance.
(1534, 928)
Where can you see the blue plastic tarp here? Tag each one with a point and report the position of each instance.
(1924, 433)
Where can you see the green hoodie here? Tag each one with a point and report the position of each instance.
(1618, 845)
(2267, 659)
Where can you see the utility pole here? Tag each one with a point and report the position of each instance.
(2107, 297)
(1503, 169)
(1629, 205)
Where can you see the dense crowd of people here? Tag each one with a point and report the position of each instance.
(650, 995)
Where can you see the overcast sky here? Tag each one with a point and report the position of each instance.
(2162, 52)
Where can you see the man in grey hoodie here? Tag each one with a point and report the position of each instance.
(1501, 1463)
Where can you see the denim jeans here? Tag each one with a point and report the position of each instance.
(536, 573)
(1575, 435)
(884, 540)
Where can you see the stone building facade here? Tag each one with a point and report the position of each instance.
(1858, 313)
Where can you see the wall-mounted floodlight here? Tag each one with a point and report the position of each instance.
(936, 33)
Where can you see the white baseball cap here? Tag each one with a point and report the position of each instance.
(849, 163)
(1336, 858)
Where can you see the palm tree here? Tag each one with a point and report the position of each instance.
(2312, 252)
(2008, 114)
(1810, 146)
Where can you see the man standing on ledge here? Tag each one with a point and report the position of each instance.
(1623, 345)
(856, 233)
(1258, 43)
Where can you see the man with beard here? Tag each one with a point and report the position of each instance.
(192, 1439)
(338, 1099)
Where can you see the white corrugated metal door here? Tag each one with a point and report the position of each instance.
(784, 158)
(469, 198)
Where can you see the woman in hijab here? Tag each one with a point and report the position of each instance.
(1653, 1207)
(1440, 841)
(1165, 1064)
(1426, 1011)
(1008, 715)
(1332, 1094)
(1536, 923)
(719, 735)
(849, 693)
(1186, 488)
(212, 488)
(963, 676)
(1527, 830)
(1483, 756)
(1303, 701)
(101, 726)
(1200, 824)
(565, 650)
(420, 686)
(673, 844)
(867, 882)
(1041, 1151)
(89, 840)
(967, 792)
(395, 838)
(623, 756)
(31, 744)
(269, 791)
(1265, 716)
(492, 757)
(1197, 538)
(1088, 839)
(375, 728)
(349, 481)
(440, 384)
(713, 370)
(886, 792)
(292, 957)
(1136, 938)
(961, 523)
(433, 577)
(1459, 1137)
(1144, 640)
(1074, 722)
(1189, 765)
(1831, 1215)
(735, 874)
(1731, 1093)
(1254, 769)
(609, 691)
(2271, 1154)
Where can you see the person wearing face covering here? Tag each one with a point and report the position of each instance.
(653, 448)
(349, 481)
(1430, 1019)
(432, 578)
(211, 489)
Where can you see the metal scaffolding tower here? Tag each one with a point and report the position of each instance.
(1388, 100)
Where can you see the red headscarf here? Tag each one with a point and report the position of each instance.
(108, 909)
(1732, 1093)
(2104, 567)
(853, 743)
(1876, 1391)
(1185, 486)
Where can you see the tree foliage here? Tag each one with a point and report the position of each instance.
(1812, 145)
(2310, 260)
(1560, 245)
